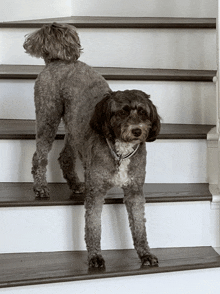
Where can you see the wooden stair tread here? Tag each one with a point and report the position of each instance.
(21, 269)
(25, 129)
(119, 22)
(8, 71)
(21, 194)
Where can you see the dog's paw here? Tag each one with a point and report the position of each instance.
(149, 260)
(79, 188)
(97, 261)
(41, 193)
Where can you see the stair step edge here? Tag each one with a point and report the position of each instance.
(21, 129)
(119, 22)
(21, 194)
(24, 269)
(8, 71)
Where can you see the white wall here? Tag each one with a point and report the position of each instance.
(184, 282)
(11, 10)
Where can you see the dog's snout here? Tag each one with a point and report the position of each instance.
(136, 132)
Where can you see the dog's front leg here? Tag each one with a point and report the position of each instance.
(135, 201)
(93, 205)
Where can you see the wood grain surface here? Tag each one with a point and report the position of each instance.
(21, 194)
(119, 22)
(8, 71)
(20, 269)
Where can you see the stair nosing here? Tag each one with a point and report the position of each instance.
(24, 129)
(20, 269)
(116, 73)
(22, 195)
(120, 22)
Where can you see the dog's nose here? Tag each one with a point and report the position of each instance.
(136, 132)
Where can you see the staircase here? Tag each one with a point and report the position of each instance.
(42, 245)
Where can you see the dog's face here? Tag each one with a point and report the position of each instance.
(126, 115)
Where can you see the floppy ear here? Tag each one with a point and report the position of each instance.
(155, 120)
(100, 121)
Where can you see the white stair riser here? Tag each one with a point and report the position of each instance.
(33, 10)
(23, 10)
(61, 228)
(146, 8)
(168, 161)
(190, 49)
(17, 99)
(167, 283)
(177, 102)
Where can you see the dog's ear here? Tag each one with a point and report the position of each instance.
(54, 42)
(155, 121)
(100, 121)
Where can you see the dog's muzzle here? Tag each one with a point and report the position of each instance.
(136, 132)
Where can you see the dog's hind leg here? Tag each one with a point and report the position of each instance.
(134, 201)
(49, 111)
(67, 162)
(44, 139)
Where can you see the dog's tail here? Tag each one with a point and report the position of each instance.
(54, 42)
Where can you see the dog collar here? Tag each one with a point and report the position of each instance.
(119, 158)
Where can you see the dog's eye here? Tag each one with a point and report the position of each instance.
(126, 108)
(123, 113)
(142, 112)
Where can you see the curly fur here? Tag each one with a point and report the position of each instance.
(122, 104)
(71, 90)
(56, 41)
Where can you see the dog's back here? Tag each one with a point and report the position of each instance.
(81, 90)
(77, 89)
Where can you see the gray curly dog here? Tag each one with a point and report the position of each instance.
(107, 129)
